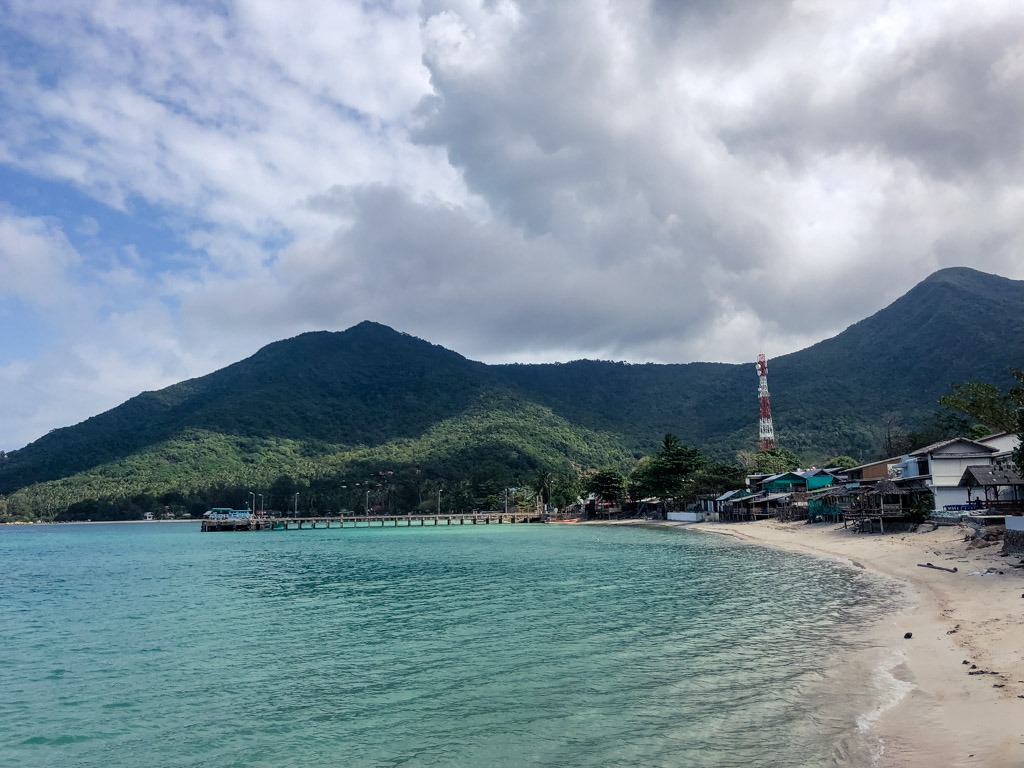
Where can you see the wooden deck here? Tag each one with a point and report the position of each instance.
(257, 523)
(863, 521)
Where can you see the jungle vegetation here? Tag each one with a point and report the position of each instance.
(374, 417)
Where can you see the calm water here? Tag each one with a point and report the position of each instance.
(156, 645)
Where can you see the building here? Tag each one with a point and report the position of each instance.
(939, 467)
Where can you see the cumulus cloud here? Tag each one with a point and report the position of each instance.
(514, 179)
(36, 261)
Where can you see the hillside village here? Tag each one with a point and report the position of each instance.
(949, 482)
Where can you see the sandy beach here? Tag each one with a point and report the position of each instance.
(964, 664)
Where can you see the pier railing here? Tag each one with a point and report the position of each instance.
(265, 523)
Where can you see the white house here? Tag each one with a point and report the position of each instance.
(940, 466)
(1004, 442)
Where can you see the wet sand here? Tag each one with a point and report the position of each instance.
(970, 621)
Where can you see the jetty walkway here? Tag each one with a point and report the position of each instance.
(263, 523)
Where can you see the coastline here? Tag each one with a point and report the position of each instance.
(971, 621)
(96, 522)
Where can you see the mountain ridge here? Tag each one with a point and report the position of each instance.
(352, 393)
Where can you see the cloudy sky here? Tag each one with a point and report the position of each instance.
(666, 180)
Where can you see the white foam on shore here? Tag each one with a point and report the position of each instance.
(891, 691)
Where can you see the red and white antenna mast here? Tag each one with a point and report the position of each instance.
(767, 438)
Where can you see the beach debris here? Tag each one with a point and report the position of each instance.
(965, 661)
(986, 572)
(953, 632)
(983, 672)
(998, 685)
(907, 635)
(937, 567)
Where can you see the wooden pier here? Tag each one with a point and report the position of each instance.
(258, 523)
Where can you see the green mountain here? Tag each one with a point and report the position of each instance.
(829, 399)
(324, 411)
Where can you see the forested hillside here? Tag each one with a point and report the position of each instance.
(328, 410)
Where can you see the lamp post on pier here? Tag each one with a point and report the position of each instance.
(252, 507)
(296, 505)
(367, 503)
(439, 501)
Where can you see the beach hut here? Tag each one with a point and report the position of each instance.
(733, 507)
(884, 501)
(994, 488)
(825, 504)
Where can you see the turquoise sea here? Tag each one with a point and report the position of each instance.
(529, 645)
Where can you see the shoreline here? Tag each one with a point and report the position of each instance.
(97, 522)
(971, 621)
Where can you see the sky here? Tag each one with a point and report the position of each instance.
(182, 183)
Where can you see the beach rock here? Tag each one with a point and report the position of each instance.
(1013, 542)
(980, 544)
(908, 635)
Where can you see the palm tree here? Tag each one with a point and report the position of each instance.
(543, 484)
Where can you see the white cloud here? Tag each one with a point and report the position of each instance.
(516, 180)
(36, 262)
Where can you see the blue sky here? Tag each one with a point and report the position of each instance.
(182, 183)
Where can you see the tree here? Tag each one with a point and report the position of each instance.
(985, 403)
(1001, 411)
(667, 472)
(607, 484)
(544, 484)
(281, 493)
(716, 479)
(896, 442)
(641, 484)
(842, 462)
(770, 462)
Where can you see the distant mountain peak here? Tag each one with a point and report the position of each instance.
(955, 272)
(364, 326)
(966, 277)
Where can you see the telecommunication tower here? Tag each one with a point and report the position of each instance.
(767, 439)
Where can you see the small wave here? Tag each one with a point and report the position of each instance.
(57, 741)
(890, 688)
